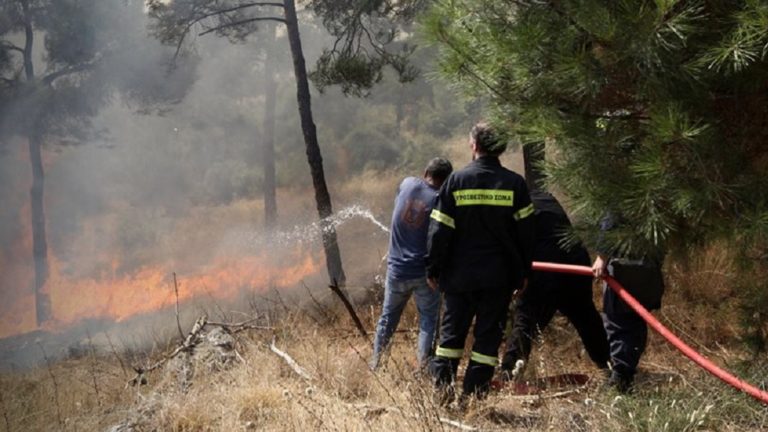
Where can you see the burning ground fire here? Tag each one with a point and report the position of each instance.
(96, 274)
(150, 289)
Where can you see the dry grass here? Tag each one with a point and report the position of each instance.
(261, 392)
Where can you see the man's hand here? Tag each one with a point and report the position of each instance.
(432, 282)
(518, 292)
(599, 267)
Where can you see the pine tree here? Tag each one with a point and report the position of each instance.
(654, 109)
(657, 110)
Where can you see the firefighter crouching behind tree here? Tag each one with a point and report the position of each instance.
(549, 292)
(481, 241)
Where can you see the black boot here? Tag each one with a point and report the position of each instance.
(623, 383)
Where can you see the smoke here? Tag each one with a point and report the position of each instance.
(162, 173)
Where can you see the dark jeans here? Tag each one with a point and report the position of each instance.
(488, 308)
(546, 294)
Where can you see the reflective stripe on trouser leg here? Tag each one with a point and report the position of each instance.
(445, 364)
(492, 361)
(451, 353)
(457, 317)
(490, 317)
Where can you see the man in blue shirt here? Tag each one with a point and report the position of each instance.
(406, 265)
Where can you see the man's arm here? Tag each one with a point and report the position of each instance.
(526, 230)
(441, 229)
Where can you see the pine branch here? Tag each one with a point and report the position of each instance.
(607, 116)
(555, 4)
(242, 22)
(191, 21)
(233, 9)
(50, 78)
(444, 38)
(11, 47)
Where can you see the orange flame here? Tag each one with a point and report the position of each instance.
(117, 284)
(151, 289)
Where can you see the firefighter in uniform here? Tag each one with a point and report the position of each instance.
(549, 292)
(481, 241)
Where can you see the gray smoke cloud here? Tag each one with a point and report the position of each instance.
(169, 172)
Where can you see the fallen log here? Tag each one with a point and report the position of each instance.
(187, 344)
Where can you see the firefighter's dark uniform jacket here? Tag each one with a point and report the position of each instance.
(481, 242)
(481, 235)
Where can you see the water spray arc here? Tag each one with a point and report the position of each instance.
(684, 348)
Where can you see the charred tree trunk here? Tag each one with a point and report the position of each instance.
(268, 154)
(39, 245)
(315, 159)
(533, 156)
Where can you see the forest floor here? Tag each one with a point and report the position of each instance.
(236, 382)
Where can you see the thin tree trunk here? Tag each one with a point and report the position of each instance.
(315, 159)
(268, 154)
(29, 69)
(400, 108)
(533, 156)
(39, 246)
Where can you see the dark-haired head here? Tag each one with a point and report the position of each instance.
(486, 141)
(438, 169)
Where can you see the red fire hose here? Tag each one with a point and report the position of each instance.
(689, 352)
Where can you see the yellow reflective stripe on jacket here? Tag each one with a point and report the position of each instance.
(524, 212)
(484, 359)
(451, 353)
(493, 197)
(443, 218)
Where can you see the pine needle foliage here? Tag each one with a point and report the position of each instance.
(370, 35)
(653, 109)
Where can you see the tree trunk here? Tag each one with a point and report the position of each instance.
(400, 108)
(29, 69)
(268, 154)
(315, 159)
(533, 156)
(39, 246)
